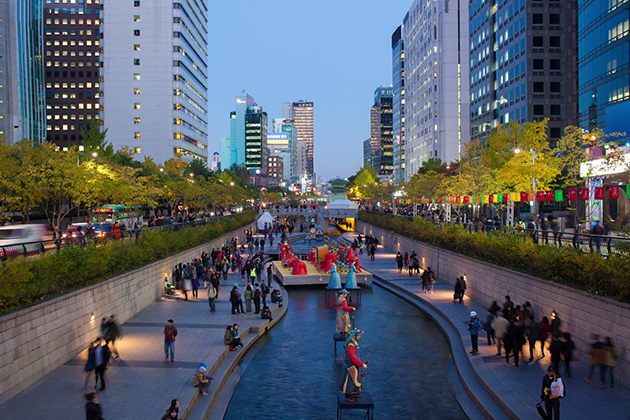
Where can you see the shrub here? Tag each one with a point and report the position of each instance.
(27, 281)
(591, 272)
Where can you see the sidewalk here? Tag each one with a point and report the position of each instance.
(142, 383)
(519, 388)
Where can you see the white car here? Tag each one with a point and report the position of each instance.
(15, 239)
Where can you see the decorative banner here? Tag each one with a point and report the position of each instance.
(558, 195)
(549, 196)
(465, 199)
(540, 195)
(572, 193)
(524, 196)
(584, 194)
(491, 198)
(458, 199)
(433, 201)
(613, 192)
(505, 198)
(628, 190)
(599, 193)
(499, 198)
(531, 196)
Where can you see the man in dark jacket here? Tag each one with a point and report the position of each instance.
(555, 348)
(101, 359)
(113, 333)
(93, 407)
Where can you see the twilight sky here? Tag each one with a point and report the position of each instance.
(333, 52)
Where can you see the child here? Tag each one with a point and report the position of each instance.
(201, 381)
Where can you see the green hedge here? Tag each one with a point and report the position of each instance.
(23, 282)
(586, 271)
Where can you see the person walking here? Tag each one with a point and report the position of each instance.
(257, 296)
(545, 332)
(195, 287)
(425, 280)
(262, 244)
(474, 325)
(93, 410)
(399, 262)
(500, 326)
(101, 359)
(487, 326)
(458, 290)
(533, 332)
(234, 298)
(264, 289)
(609, 362)
(567, 352)
(269, 273)
(225, 267)
(598, 360)
(113, 333)
(249, 296)
(212, 297)
(170, 332)
(555, 349)
(90, 365)
(552, 390)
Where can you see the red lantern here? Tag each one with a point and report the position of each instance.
(550, 196)
(599, 193)
(523, 196)
(540, 196)
(584, 194)
(613, 192)
(572, 194)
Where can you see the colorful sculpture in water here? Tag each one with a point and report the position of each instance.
(350, 256)
(299, 268)
(357, 265)
(330, 260)
(352, 375)
(335, 278)
(343, 319)
(351, 278)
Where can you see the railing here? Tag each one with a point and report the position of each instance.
(291, 211)
(602, 244)
(28, 249)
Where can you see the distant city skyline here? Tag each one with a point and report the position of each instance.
(334, 57)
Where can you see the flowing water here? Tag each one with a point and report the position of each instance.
(295, 374)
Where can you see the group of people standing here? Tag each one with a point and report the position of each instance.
(371, 243)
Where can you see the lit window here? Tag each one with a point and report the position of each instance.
(137, 150)
(137, 120)
(136, 18)
(136, 47)
(136, 105)
(137, 135)
(136, 76)
(136, 91)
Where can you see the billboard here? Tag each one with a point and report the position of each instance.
(277, 139)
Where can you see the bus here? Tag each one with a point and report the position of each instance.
(106, 216)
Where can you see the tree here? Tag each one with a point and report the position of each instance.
(16, 186)
(364, 184)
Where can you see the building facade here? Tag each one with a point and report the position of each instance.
(604, 59)
(522, 65)
(215, 165)
(22, 86)
(382, 131)
(398, 104)
(72, 51)
(436, 41)
(302, 114)
(237, 130)
(276, 170)
(155, 77)
(256, 153)
(367, 153)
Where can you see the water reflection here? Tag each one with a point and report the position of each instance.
(295, 374)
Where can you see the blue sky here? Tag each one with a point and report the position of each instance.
(332, 52)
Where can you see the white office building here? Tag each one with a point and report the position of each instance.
(155, 77)
(437, 103)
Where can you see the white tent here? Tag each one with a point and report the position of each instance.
(343, 205)
(265, 218)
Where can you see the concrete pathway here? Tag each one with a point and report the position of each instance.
(518, 388)
(142, 383)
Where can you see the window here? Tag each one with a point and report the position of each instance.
(136, 3)
(537, 19)
(137, 135)
(137, 120)
(136, 47)
(136, 91)
(555, 132)
(136, 61)
(539, 87)
(539, 110)
(136, 105)
(539, 64)
(136, 76)
(537, 41)
(554, 110)
(137, 150)
(554, 64)
(554, 19)
(554, 87)
(136, 32)
(136, 18)
(554, 41)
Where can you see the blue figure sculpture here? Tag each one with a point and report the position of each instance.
(351, 278)
(335, 279)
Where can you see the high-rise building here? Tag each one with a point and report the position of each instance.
(155, 77)
(72, 37)
(522, 64)
(237, 130)
(367, 153)
(276, 170)
(226, 150)
(382, 131)
(398, 107)
(22, 87)
(603, 47)
(283, 142)
(301, 113)
(256, 153)
(435, 36)
(215, 166)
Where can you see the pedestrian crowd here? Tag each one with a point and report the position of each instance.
(371, 243)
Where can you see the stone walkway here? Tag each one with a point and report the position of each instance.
(518, 388)
(142, 383)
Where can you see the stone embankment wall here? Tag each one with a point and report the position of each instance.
(583, 314)
(35, 341)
